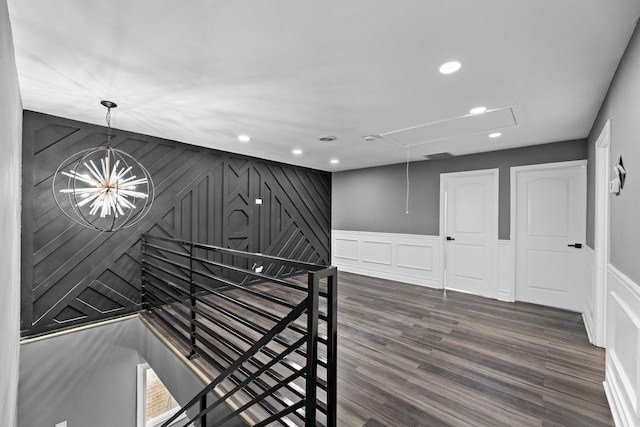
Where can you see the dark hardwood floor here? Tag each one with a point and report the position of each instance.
(411, 356)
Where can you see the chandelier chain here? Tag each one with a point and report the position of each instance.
(108, 126)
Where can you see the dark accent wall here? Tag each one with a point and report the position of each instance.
(72, 275)
(373, 199)
(622, 106)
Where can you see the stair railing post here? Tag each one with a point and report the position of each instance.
(203, 406)
(192, 296)
(332, 348)
(311, 376)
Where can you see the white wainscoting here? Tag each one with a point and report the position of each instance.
(506, 271)
(622, 381)
(410, 258)
(588, 313)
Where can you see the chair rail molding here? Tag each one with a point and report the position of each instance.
(622, 377)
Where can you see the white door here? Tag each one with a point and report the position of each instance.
(550, 227)
(471, 231)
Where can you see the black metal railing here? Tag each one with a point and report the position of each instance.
(266, 325)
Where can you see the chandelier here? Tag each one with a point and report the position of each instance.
(103, 188)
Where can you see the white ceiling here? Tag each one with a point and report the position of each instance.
(288, 71)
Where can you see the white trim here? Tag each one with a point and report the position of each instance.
(601, 233)
(141, 402)
(622, 373)
(410, 258)
(141, 394)
(495, 172)
(589, 280)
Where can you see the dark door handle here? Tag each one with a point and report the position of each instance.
(450, 238)
(576, 245)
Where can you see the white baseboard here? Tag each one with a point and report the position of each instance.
(588, 314)
(409, 258)
(420, 281)
(622, 377)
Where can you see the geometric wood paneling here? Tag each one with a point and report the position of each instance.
(72, 275)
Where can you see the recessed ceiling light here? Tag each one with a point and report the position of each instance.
(450, 67)
(335, 161)
(244, 138)
(478, 110)
(297, 151)
(495, 135)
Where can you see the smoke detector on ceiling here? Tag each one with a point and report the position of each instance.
(327, 138)
(371, 138)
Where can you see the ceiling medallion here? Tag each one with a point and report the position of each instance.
(103, 188)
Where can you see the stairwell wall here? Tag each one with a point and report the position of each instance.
(10, 146)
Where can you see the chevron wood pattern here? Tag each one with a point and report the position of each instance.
(72, 275)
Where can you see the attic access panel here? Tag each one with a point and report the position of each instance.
(498, 118)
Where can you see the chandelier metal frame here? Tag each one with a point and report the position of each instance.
(103, 188)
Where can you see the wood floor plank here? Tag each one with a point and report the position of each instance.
(417, 357)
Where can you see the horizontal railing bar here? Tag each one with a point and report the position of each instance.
(245, 289)
(252, 326)
(174, 286)
(254, 310)
(159, 303)
(252, 273)
(255, 362)
(278, 328)
(248, 340)
(255, 400)
(168, 261)
(169, 272)
(233, 378)
(258, 382)
(226, 282)
(283, 413)
(236, 317)
(176, 332)
(259, 372)
(171, 251)
(244, 337)
(279, 260)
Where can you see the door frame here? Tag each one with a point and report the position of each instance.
(443, 212)
(513, 183)
(601, 233)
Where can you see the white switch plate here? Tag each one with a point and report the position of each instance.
(258, 201)
(62, 424)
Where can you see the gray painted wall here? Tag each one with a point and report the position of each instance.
(11, 148)
(622, 106)
(88, 378)
(373, 199)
